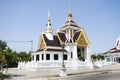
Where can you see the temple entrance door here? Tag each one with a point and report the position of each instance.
(81, 53)
(82, 46)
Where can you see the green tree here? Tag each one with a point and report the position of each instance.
(100, 57)
(7, 56)
(3, 60)
(97, 57)
(93, 57)
(3, 45)
(29, 56)
(23, 56)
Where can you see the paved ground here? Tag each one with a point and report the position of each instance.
(73, 74)
(96, 76)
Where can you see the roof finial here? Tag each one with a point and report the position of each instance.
(49, 31)
(69, 9)
(69, 14)
(118, 43)
(48, 15)
(48, 25)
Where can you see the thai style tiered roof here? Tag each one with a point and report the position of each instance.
(55, 42)
(113, 50)
(62, 36)
(46, 43)
(70, 23)
(76, 35)
(116, 49)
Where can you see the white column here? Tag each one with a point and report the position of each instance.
(113, 58)
(88, 58)
(75, 52)
(69, 33)
(60, 56)
(44, 57)
(34, 57)
(72, 33)
(39, 57)
(69, 57)
(51, 57)
(87, 54)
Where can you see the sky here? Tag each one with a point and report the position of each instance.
(24, 20)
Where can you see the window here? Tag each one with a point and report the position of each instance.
(65, 56)
(108, 59)
(71, 55)
(37, 57)
(47, 56)
(55, 56)
(42, 56)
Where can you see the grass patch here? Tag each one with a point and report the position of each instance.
(4, 76)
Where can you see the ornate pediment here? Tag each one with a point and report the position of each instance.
(41, 43)
(82, 39)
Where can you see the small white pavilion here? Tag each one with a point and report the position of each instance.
(50, 53)
(113, 55)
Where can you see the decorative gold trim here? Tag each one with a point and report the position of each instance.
(84, 35)
(59, 38)
(41, 41)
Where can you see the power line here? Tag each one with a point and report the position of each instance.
(31, 41)
(19, 41)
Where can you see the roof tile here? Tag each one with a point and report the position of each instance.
(55, 42)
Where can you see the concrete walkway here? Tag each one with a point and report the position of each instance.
(53, 74)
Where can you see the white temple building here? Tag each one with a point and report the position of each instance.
(113, 55)
(50, 53)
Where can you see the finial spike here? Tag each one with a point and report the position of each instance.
(69, 14)
(48, 25)
(69, 9)
(48, 13)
